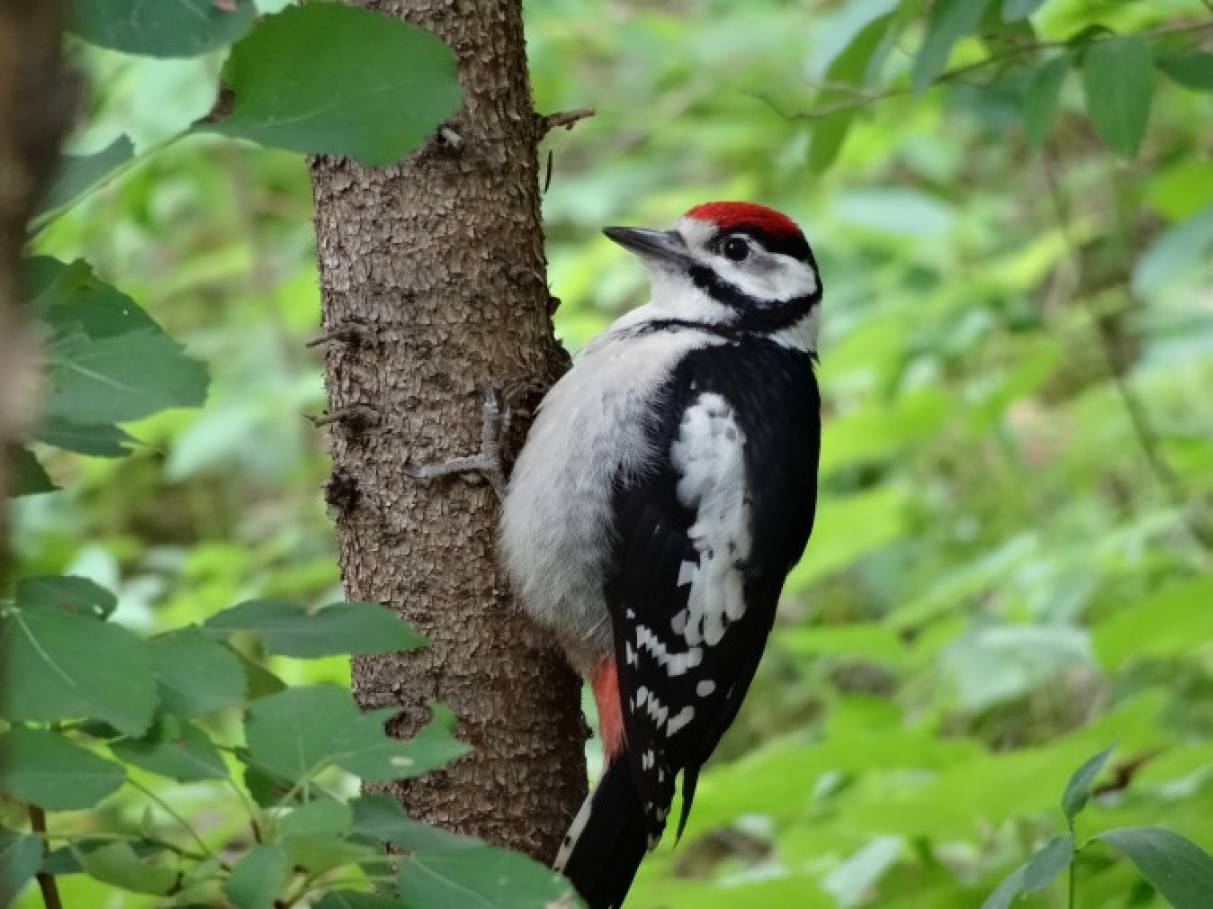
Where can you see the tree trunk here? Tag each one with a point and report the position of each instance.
(433, 280)
(34, 112)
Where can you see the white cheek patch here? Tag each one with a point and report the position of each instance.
(709, 456)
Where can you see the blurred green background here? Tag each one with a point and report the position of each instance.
(1010, 568)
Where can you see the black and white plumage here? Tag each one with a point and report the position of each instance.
(666, 488)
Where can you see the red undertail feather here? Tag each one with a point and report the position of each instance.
(733, 214)
(610, 711)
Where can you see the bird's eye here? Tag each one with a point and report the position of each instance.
(736, 249)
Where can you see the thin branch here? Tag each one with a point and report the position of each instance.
(46, 881)
(953, 75)
(566, 118)
(1147, 438)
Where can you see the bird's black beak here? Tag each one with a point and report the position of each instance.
(666, 246)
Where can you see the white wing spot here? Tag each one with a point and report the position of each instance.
(674, 663)
(709, 456)
(705, 687)
(680, 719)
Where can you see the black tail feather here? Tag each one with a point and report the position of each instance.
(605, 853)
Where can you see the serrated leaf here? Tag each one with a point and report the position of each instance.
(1051, 860)
(196, 675)
(175, 749)
(1078, 788)
(118, 865)
(342, 628)
(1040, 100)
(482, 877)
(45, 769)
(78, 173)
(27, 477)
(258, 878)
(1191, 69)
(102, 440)
(161, 28)
(20, 859)
(1014, 10)
(1004, 894)
(331, 79)
(66, 593)
(62, 666)
(1177, 868)
(950, 21)
(381, 817)
(1118, 75)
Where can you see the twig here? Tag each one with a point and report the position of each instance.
(355, 416)
(46, 881)
(1147, 438)
(953, 75)
(566, 118)
(348, 334)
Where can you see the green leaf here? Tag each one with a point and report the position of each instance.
(1052, 859)
(1180, 249)
(27, 476)
(175, 749)
(855, 64)
(20, 859)
(118, 865)
(1040, 100)
(1177, 868)
(298, 731)
(481, 877)
(318, 853)
(110, 362)
(380, 817)
(1004, 894)
(373, 87)
(66, 593)
(1191, 69)
(61, 666)
(354, 899)
(196, 675)
(368, 752)
(341, 628)
(260, 680)
(950, 21)
(1078, 789)
(45, 769)
(1014, 10)
(79, 173)
(318, 818)
(1118, 75)
(258, 878)
(161, 28)
(101, 440)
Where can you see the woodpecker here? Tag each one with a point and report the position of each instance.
(665, 490)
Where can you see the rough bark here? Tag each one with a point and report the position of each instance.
(35, 108)
(433, 280)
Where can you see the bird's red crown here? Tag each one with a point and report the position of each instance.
(735, 214)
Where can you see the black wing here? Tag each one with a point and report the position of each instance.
(695, 581)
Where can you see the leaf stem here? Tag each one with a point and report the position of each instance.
(172, 812)
(46, 882)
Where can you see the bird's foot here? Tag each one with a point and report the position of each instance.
(486, 464)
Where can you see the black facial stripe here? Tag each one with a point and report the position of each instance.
(755, 315)
(794, 245)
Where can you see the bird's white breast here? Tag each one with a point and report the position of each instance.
(556, 525)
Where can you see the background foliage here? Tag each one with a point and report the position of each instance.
(1011, 563)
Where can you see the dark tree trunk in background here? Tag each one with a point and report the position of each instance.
(433, 281)
(34, 112)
